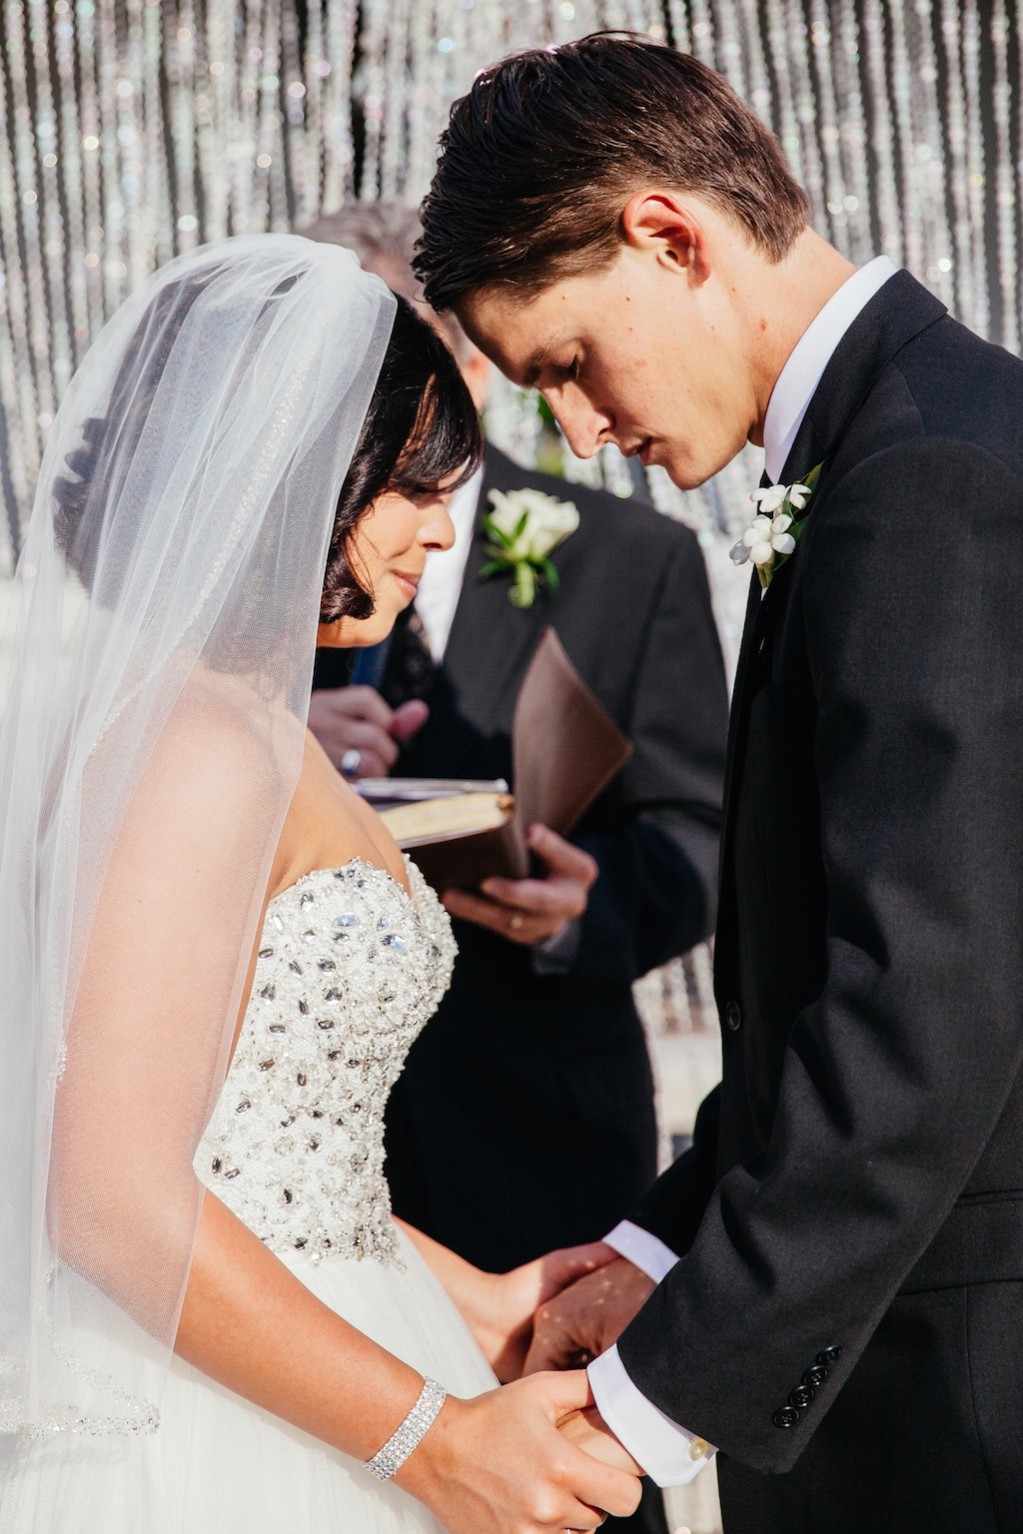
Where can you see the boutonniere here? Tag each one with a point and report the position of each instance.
(772, 536)
(525, 527)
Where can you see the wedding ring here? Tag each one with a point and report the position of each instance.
(516, 921)
(350, 762)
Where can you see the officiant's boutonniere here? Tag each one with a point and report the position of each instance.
(525, 528)
(772, 536)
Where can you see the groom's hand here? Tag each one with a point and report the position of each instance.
(588, 1429)
(529, 911)
(587, 1317)
(502, 1307)
(497, 1464)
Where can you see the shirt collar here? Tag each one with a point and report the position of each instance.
(798, 379)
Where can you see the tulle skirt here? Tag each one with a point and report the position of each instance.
(219, 1465)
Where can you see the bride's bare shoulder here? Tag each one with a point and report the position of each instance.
(222, 739)
(328, 824)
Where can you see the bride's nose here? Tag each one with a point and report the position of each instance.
(436, 530)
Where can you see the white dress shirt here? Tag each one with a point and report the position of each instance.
(441, 582)
(668, 1453)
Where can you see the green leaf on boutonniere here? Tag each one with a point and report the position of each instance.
(503, 538)
(811, 481)
(550, 574)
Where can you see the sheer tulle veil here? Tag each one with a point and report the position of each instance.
(179, 536)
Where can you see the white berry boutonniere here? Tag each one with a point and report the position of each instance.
(772, 536)
(525, 527)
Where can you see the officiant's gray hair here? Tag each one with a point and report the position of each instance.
(383, 234)
(540, 157)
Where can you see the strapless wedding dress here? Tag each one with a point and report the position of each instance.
(350, 967)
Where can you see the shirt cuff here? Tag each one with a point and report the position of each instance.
(645, 1251)
(557, 955)
(669, 1455)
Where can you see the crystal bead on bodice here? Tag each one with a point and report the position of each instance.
(350, 967)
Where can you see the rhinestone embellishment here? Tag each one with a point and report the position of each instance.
(410, 1433)
(296, 1146)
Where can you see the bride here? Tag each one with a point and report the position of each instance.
(217, 958)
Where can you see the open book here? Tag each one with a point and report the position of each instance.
(565, 749)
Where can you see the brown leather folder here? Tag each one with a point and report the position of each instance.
(565, 749)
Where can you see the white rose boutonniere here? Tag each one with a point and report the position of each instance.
(772, 536)
(525, 527)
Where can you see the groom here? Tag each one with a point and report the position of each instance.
(829, 1283)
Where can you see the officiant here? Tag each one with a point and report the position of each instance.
(524, 1118)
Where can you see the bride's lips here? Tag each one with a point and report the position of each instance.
(408, 582)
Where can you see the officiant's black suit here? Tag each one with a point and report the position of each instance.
(847, 1320)
(524, 1117)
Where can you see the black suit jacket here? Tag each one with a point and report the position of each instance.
(864, 1153)
(524, 1117)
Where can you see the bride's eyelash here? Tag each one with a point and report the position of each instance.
(574, 368)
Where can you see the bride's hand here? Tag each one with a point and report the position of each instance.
(497, 1464)
(501, 1306)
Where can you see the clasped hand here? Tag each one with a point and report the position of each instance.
(535, 1455)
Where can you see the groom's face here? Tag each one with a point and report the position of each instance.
(639, 354)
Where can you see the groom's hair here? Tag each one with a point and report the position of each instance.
(539, 159)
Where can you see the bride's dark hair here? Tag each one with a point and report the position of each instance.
(421, 431)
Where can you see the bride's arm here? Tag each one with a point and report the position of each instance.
(144, 1051)
(249, 1323)
(499, 1307)
(487, 1466)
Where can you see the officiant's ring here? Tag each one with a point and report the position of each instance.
(351, 761)
(516, 921)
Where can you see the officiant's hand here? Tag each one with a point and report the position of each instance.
(356, 720)
(529, 911)
(588, 1317)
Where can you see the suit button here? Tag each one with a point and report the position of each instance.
(829, 1355)
(786, 1417)
(733, 1016)
(801, 1396)
(814, 1376)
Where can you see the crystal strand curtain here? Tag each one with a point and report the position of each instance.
(132, 129)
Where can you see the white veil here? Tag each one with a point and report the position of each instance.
(188, 489)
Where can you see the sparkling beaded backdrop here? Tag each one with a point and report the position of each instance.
(133, 129)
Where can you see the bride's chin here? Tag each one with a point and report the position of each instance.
(375, 629)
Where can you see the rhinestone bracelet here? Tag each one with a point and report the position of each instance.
(410, 1432)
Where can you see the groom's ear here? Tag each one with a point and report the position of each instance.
(668, 225)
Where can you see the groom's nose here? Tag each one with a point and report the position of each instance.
(585, 428)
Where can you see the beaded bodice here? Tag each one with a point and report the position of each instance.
(349, 969)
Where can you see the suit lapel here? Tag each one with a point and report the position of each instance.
(897, 312)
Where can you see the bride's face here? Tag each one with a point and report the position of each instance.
(387, 553)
